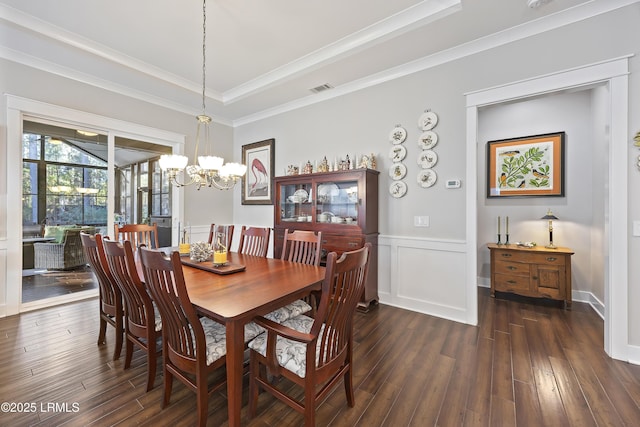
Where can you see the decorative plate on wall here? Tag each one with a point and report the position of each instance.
(427, 177)
(428, 140)
(397, 135)
(428, 120)
(398, 189)
(427, 159)
(397, 153)
(397, 171)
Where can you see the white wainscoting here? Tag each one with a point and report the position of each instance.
(3, 278)
(423, 275)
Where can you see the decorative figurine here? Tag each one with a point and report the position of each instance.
(324, 165)
(308, 168)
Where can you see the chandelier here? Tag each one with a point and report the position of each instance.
(210, 170)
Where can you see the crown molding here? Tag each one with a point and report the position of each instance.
(373, 34)
(406, 20)
(69, 73)
(559, 19)
(419, 14)
(43, 28)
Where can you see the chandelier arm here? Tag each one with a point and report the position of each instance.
(172, 176)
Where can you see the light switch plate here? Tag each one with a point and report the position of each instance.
(421, 221)
(636, 228)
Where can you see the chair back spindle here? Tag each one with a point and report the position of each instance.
(254, 241)
(138, 234)
(302, 246)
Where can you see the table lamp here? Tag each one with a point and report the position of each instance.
(550, 216)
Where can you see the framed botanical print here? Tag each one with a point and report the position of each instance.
(257, 184)
(529, 166)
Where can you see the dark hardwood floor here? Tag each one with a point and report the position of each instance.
(524, 364)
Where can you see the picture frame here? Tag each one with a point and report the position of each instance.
(529, 166)
(257, 184)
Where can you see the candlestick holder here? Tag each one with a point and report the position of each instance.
(506, 242)
(499, 237)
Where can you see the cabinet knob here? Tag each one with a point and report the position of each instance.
(353, 244)
(511, 268)
(512, 282)
(534, 277)
(506, 255)
(551, 258)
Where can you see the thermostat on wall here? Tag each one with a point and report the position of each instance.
(453, 183)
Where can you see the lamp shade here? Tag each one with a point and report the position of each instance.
(210, 162)
(173, 161)
(549, 215)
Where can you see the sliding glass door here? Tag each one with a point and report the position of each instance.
(65, 179)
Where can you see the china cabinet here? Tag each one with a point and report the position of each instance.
(343, 205)
(532, 272)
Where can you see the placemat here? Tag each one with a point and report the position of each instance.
(208, 266)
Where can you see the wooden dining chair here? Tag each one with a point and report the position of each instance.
(111, 306)
(192, 346)
(254, 241)
(137, 234)
(213, 230)
(304, 247)
(142, 324)
(314, 353)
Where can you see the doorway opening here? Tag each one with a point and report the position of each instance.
(614, 75)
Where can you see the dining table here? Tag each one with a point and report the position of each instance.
(260, 286)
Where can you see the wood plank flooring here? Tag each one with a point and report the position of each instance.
(524, 365)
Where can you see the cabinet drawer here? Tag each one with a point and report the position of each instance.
(510, 283)
(548, 259)
(341, 244)
(530, 257)
(512, 268)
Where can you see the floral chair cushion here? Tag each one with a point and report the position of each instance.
(291, 355)
(216, 337)
(289, 311)
(158, 319)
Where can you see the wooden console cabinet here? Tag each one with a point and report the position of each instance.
(531, 272)
(343, 205)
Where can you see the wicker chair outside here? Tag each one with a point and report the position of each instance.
(61, 256)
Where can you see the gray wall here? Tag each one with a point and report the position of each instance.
(361, 121)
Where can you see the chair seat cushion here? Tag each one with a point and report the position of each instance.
(289, 311)
(291, 355)
(216, 337)
(158, 319)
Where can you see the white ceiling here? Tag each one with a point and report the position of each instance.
(263, 56)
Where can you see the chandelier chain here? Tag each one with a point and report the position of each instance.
(207, 170)
(204, 52)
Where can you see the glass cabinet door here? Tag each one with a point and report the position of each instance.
(337, 202)
(296, 202)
